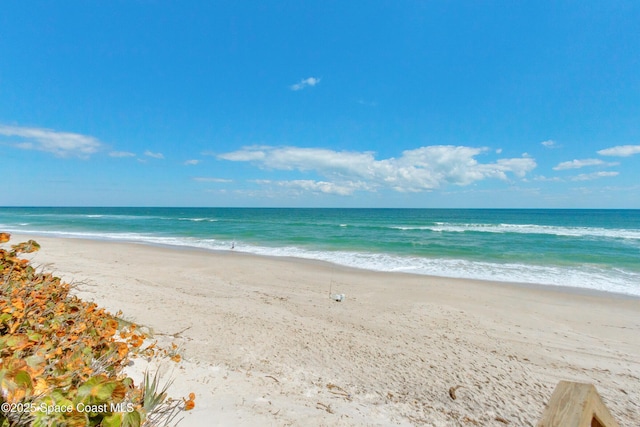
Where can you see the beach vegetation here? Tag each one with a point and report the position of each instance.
(62, 358)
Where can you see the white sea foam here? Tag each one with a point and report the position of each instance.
(615, 233)
(587, 277)
(106, 216)
(580, 277)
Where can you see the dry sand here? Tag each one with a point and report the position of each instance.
(264, 345)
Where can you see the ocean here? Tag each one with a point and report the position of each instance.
(592, 249)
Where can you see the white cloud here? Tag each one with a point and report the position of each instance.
(122, 154)
(577, 164)
(191, 162)
(154, 155)
(311, 81)
(499, 151)
(342, 189)
(620, 151)
(547, 179)
(207, 179)
(61, 144)
(247, 154)
(421, 169)
(594, 175)
(549, 143)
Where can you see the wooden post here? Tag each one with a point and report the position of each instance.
(576, 405)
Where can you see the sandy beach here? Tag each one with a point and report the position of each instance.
(263, 343)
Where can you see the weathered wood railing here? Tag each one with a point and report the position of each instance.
(576, 405)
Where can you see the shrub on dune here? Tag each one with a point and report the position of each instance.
(62, 358)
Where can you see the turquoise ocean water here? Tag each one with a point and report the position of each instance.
(594, 249)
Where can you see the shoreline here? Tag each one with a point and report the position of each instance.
(329, 264)
(263, 343)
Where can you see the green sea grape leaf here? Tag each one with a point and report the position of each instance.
(113, 420)
(16, 340)
(97, 389)
(131, 419)
(34, 360)
(23, 379)
(34, 336)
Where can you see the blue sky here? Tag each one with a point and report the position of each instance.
(332, 103)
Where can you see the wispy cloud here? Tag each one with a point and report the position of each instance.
(577, 164)
(122, 154)
(547, 179)
(620, 151)
(367, 103)
(311, 81)
(208, 179)
(421, 169)
(549, 143)
(154, 155)
(594, 175)
(61, 144)
(341, 189)
(191, 162)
